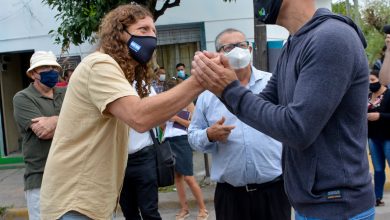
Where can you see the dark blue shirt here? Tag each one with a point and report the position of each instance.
(316, 105)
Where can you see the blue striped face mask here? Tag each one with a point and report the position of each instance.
(141, 48)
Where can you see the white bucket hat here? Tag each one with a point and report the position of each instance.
(42, 58)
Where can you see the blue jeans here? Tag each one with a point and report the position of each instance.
(366, 215)
(380, 152)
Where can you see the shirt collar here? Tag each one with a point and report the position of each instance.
(36, 93)
(255, 76)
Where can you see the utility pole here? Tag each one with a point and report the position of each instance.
(260, 53)
(348, 8)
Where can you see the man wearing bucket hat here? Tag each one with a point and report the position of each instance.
(36, 110)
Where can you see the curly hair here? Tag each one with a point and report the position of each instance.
(110, 31)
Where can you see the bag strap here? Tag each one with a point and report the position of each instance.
(156, 143)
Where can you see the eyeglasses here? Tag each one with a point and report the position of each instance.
(228, 47)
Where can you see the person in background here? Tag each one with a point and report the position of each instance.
(68, 73)
(181, 72)
(139, 195)
(36, 110)
(63, 82)
(158, 82)
(246, 163)
(175, 132)
(379, 62)
(86, 164)
(384, 74)
(378, 132)
(315, 104)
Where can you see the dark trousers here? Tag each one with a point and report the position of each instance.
(139, 196)
(269, 202)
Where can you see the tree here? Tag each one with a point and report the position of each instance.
(375, 15)
(81, 19)
(371, 19)
(344, 8)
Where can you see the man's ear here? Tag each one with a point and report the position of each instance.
(34, 74)
(250, 49)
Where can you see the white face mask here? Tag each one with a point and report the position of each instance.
(239, 58)
(162, 77)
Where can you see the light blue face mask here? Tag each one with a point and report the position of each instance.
(181, 74)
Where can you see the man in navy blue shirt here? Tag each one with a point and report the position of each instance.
(315, 104)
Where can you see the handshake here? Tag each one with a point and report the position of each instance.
(212, 71)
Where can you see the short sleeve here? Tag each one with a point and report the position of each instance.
(24, 111)
(107, 83)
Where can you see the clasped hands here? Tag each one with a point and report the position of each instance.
(212, 71)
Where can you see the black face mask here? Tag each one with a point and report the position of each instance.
(141, 48)
(374, 87)
(267, 11)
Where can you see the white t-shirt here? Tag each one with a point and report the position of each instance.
(138, 141)
(171, 131)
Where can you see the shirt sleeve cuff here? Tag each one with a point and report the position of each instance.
(204, 139)
(232, 96)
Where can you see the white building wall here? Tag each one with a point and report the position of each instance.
(218, 15)
(25, 24)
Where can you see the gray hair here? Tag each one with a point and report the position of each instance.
(226, 31)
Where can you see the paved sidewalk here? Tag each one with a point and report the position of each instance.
(12, 193)
(12, 196)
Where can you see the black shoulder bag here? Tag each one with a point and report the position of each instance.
(165, 162)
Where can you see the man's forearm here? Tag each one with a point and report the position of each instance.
(44, 127)
(143, 114)
(384, 74)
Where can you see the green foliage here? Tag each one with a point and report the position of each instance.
(81, 19)
(340, 7)
(375, 15)
(3, 211)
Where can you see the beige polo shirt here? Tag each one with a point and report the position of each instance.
(87, 159)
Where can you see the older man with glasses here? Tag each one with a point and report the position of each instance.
(246, 163)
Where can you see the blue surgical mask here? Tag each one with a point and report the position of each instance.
(141, 48)
(181, 74)
(49, 78)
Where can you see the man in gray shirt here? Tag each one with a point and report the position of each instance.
(36, 110)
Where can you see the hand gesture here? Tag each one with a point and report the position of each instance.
(174, 118)
(44, 127)
(219, 131)
(213, 72)
(373, 116)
